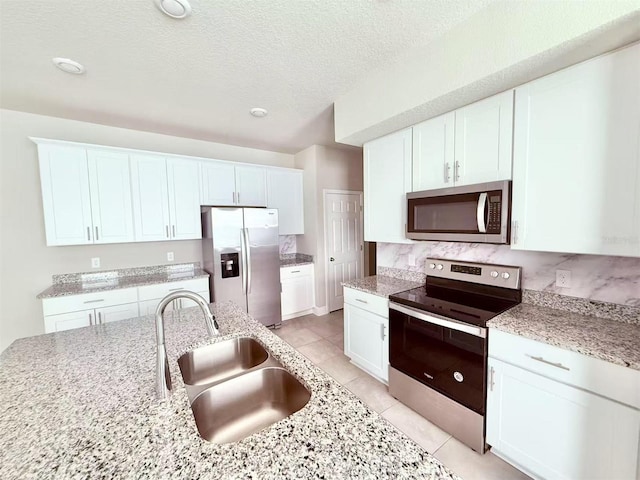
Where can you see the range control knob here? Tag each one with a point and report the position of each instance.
(494, 274)
(505, 275)
(439, 266)
(432, 265)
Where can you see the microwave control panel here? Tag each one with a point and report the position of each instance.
(495, 214)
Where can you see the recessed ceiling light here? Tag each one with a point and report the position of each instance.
(258, 112)
(174, 8)
(69, 66)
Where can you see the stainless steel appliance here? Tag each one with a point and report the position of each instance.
(473, 213)
(241, 253)
(438, 343)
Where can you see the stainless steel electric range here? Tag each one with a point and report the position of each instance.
(438, 343)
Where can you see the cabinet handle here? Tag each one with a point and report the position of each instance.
(233, 196)
(491, 382)
(361, 301)
(382, 331)
(447, 169)
(175, 289)
(456, 171)
(100, 318)
(95, 301)
(173, 229)
(553, 364)
(89, 233)
(166, 227)
(514, 225)
(90, 319)
(238, 197)
(295, 271)
(97, 237)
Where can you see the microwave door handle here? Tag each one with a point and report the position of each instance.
(482, 204)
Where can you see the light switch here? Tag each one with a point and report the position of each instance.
(411, 260)
(170, 256)
(95, 262)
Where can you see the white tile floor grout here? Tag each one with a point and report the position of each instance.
(321, 340)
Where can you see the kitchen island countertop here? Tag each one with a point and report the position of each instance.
(81, 404)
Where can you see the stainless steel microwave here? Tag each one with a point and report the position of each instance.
(478, 213)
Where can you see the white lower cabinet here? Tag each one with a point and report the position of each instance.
(297, 297)
(366, 327)
(68, 321)
(551, 429)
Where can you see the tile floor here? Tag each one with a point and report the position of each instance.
(320, 339)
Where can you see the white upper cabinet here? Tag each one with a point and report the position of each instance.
(86, 195)
(110, 187)
(225, 184)
(387, 179)
(576, 173)
(184, 198)
(433, 160)
(166, 198)
(483, 140)
(150, 198)
(284, 192)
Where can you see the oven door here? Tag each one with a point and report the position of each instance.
(446, 355)
(474, 213)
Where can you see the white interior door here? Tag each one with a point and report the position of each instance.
(343, 243)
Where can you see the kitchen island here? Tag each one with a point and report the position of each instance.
(81, 404)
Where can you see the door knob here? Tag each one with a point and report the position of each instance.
(332, 259)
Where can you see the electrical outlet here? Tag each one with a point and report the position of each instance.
(411, 260)
(563, 278)
(95, 262)
(170, 256)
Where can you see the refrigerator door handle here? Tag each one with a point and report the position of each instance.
(243, 256)
(248, 257)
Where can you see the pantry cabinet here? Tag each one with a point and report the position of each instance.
(285, 193)
(85, 194)
(366, 332)
(225, 184)
(576, 178)
(560, 414)
(387, 179)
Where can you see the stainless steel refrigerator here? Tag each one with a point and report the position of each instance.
(241, 253)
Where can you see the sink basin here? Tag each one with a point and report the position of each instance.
(248, 403)
(216, 362)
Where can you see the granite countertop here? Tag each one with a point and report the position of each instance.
(381, 285)
(103, 281)
(295, 259)
(81, 403)
(610, 340)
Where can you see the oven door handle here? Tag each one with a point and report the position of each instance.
(438, 320)
(482, 204)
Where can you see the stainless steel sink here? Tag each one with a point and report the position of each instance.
(214, 363)
(234, 409)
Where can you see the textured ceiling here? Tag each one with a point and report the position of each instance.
(200, 76)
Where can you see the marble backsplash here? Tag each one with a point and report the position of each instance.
(287, 244)
(595, 277)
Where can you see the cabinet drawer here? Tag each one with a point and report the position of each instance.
(603, 378)
(85, 301)
(367, 301)
(295, 272)
(160, 290)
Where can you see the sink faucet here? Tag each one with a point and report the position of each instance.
(163, 375)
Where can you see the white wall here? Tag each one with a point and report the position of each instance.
(324, 168)
(506, 44)
(26, 263)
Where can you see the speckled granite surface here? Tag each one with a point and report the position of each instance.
(81, 404)
(295, 259)
(402, 274)
(381, 285)
(610, 340)
(78, 283)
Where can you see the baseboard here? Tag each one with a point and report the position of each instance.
(298, 314)
(319, 311)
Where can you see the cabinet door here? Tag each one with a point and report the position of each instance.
(64, 179)
(433, 143)
(387, 179)
(218, 184)
(184, 198)
(150, 198)
(365, 335)
(576, 172)
(251, 186)
(68, 321)
(284, 192)
(483, 140)
(557, 431)
(110, 188)
(297, 295)
(117, 312)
